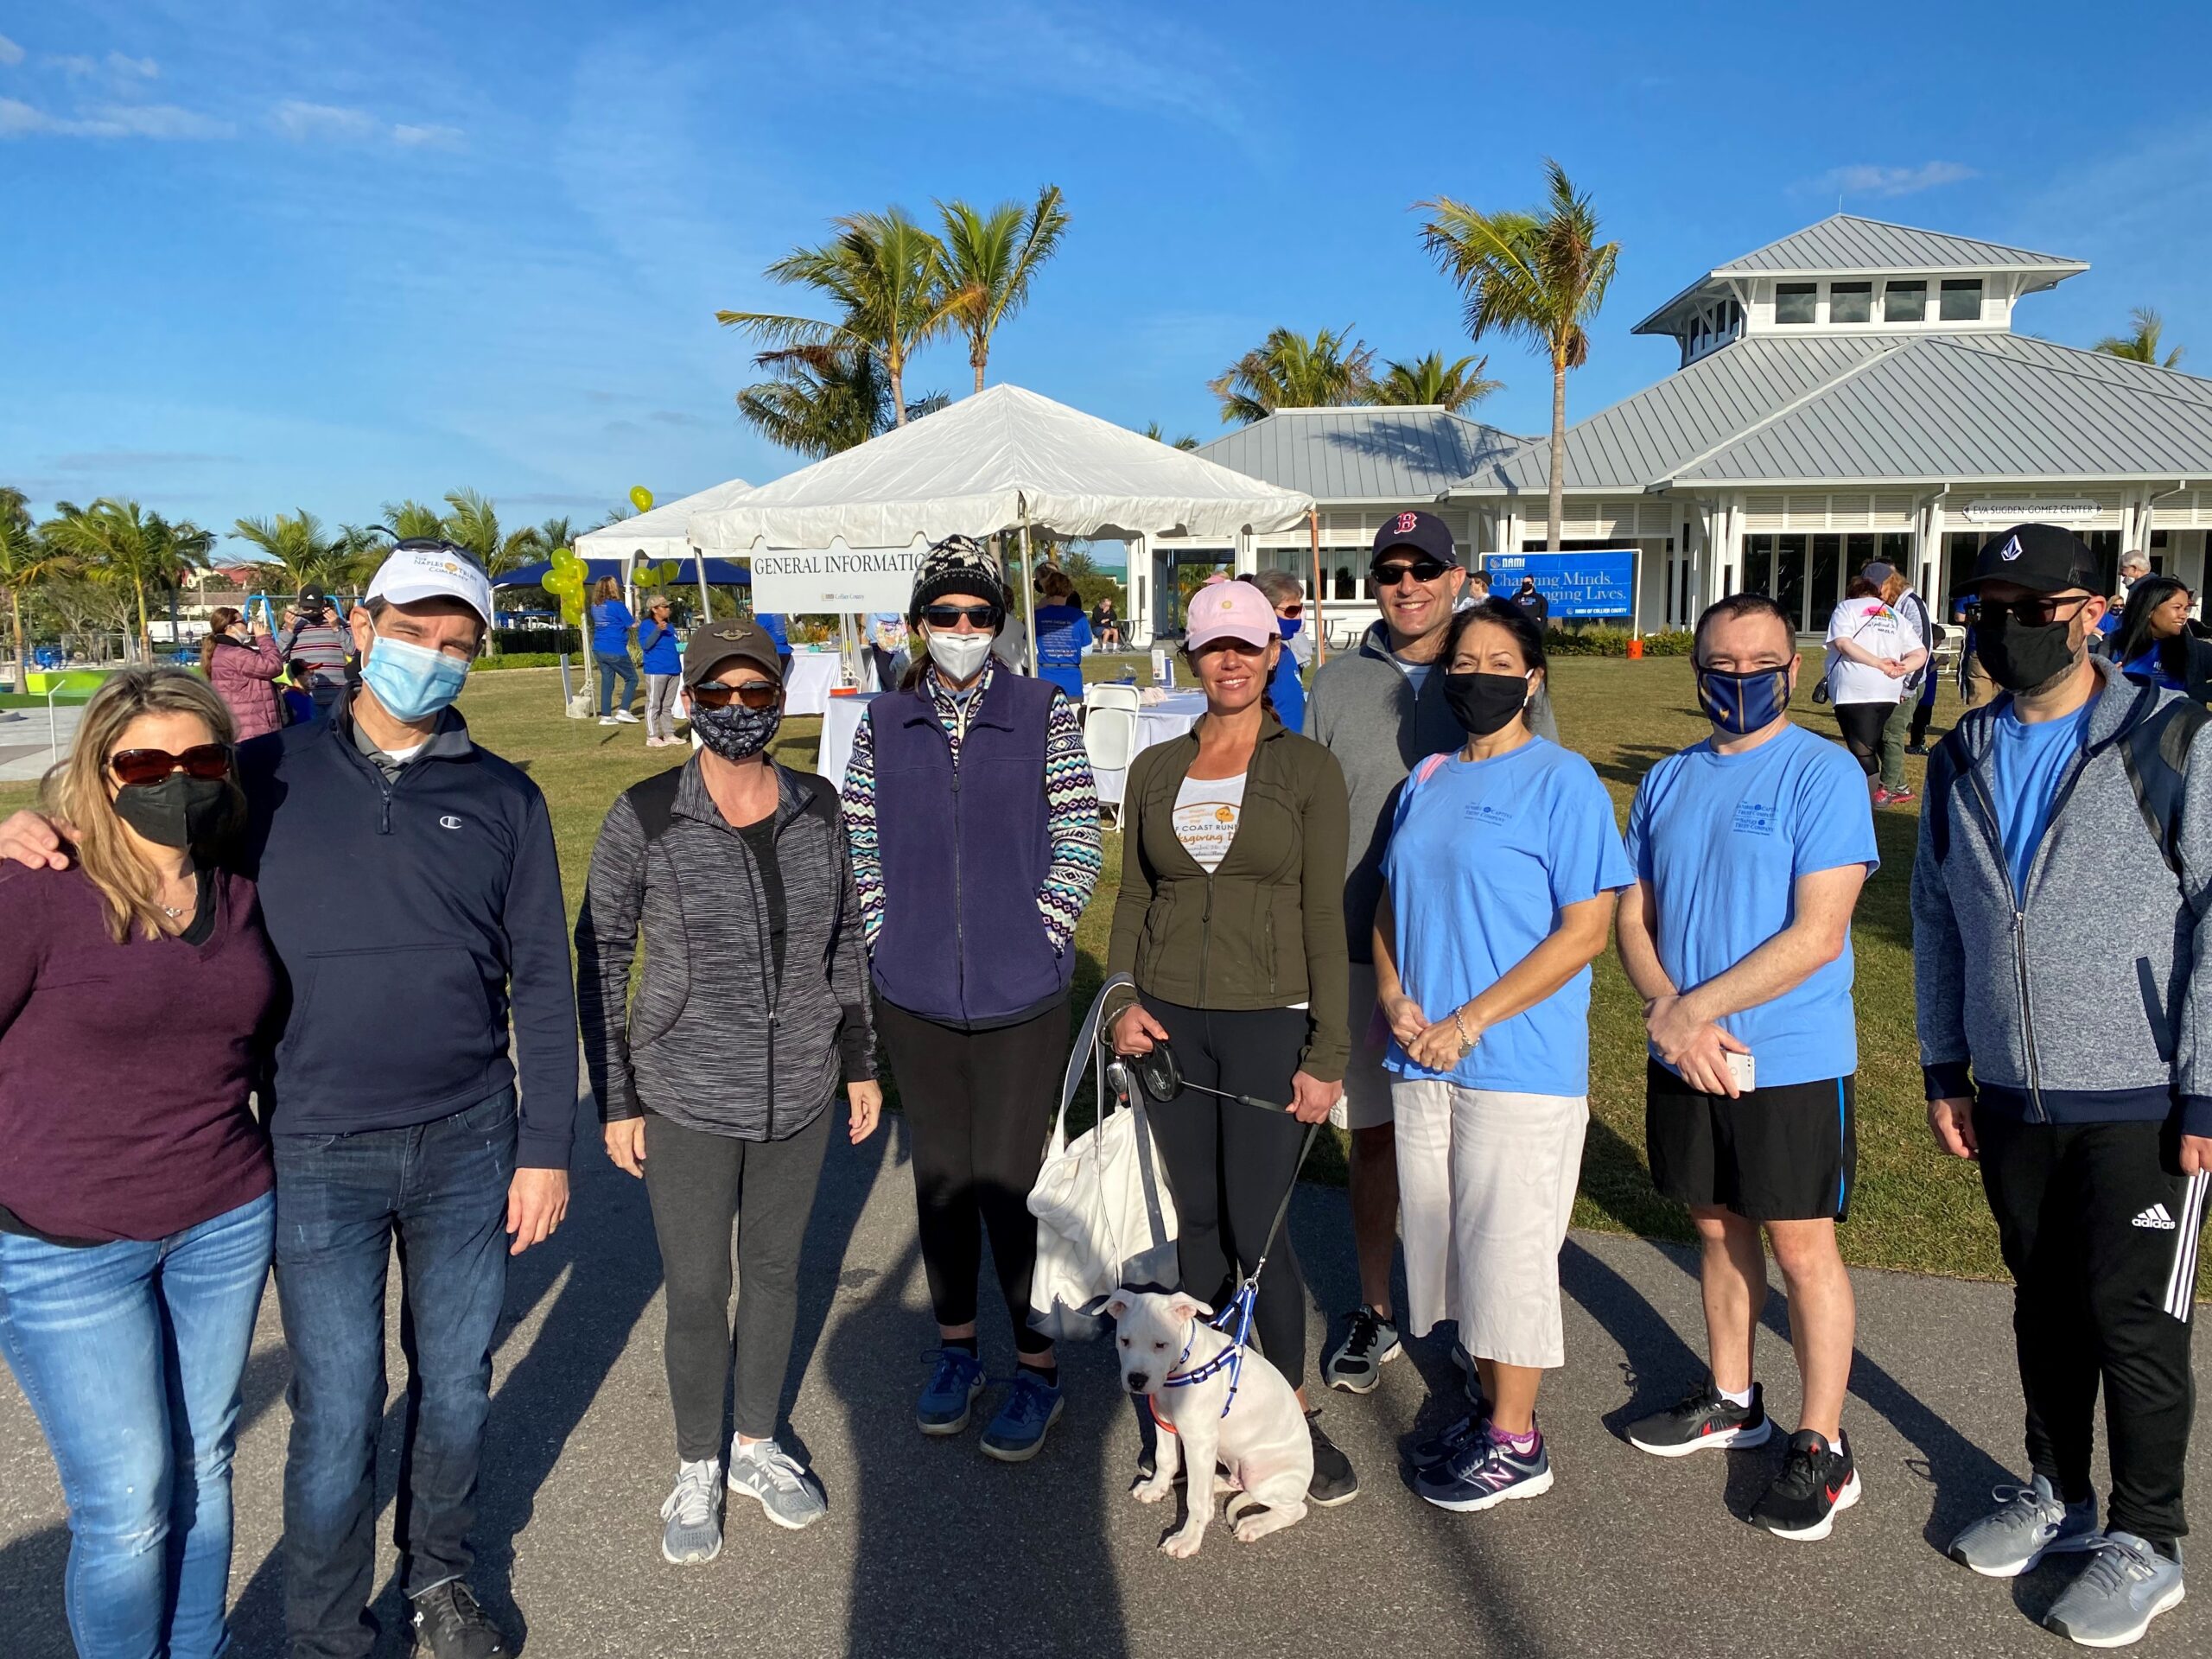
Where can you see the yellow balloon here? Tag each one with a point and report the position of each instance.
(641, 497)
(669, 569)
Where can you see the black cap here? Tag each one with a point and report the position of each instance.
(714, 644)
(1424, 532)
(2041, 558)
(313, 599)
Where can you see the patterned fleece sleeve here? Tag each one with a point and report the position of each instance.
(858, 799)
(1071, 806)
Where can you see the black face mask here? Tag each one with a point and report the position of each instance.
(1483, 703)
(2021, 659)
(179, 811)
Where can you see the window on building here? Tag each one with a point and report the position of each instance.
(1904, 302)
(1851, 301)
(1794, 302)
(1961, 300)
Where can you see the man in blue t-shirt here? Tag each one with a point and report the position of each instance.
(1750, 851)
(1063, 634)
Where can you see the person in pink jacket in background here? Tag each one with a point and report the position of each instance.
(242, 663)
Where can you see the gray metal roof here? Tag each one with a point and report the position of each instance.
(1845, 242)
(1363, 454)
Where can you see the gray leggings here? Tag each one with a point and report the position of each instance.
(660, 704)
(699, 1184)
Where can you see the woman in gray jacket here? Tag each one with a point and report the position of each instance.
(715, 1086)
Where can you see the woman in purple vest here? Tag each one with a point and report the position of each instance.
(974, 823)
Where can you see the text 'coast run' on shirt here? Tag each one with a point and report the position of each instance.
(1723, 839)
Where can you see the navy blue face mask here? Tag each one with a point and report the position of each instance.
(1742, 703)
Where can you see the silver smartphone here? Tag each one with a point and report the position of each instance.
(1741, 1069)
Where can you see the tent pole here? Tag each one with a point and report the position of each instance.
(706, 609)
(1029, 578)
(1320, 632)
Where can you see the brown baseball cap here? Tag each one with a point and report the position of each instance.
(714, 644)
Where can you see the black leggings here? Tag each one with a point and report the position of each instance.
(1230, 1164)
(1861, 724)
(978, 1106)
(698, 1184)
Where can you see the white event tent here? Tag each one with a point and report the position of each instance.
(659, 533)
(992, 464)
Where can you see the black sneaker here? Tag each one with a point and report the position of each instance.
(1702, 1419)
(1370, 1342)
(1333, 1480)
(1816, 1481)
(449, 1624)
(1433, 1449)
(1916, 748)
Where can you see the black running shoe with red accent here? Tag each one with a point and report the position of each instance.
(1817, 1482)
(1703, 1419)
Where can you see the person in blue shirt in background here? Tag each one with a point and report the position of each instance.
(1499, 883)
(1287, 687)
(1751, 849)
(1063, 633)
(610, 648)
(664, 669)
(772, 625)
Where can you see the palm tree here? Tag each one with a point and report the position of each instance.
(473, 525)
(553, 535)
(27, 561)
(1158, 434)
(1539, 275)
(989, 260)
(1289, 370)
(294, 542)
(2142, 345)
(414, 521)
(117, 540)
(356, 552)
(824, 399)
(1430, 380)
(885, 274)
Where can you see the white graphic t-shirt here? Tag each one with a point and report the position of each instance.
(1206, 812)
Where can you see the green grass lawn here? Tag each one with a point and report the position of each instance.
(1913, 1209)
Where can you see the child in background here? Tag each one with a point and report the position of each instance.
(299, 706)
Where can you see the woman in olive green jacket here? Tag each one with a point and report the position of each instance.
(1230, 921)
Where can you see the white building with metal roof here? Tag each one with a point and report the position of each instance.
(1854, 390)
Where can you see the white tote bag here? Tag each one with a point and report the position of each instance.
(1104, 1215)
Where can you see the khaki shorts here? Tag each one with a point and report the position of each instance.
(1366, 1103)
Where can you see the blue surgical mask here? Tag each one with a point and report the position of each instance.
(412, 684)
(1742, 703)
(1289, 625)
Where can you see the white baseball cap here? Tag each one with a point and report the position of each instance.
(432, 570)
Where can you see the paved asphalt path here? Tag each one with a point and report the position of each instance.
(930, 1549)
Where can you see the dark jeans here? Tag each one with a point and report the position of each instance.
(440, 1190)
(1230, 1164)
(978, 1105)
(609, 669)
(2097, 1286)
(699, 1184)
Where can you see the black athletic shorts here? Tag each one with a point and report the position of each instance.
(1785, 1154)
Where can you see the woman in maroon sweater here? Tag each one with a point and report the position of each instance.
(135, 1220)
(241, 661)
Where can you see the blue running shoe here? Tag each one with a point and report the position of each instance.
(1450, 1440)
(1485, 1472)
(953, 1386)
(1032, 1406)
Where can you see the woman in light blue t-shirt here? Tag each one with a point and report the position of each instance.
(1502, 871)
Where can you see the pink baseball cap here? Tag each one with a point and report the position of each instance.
(1229, 610)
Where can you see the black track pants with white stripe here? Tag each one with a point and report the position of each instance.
(2100, 1231)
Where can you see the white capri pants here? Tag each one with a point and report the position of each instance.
(1486, 1185)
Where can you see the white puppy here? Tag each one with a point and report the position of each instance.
(1262, 1439)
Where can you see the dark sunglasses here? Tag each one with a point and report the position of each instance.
(1292, 610)
(949, 617)
(1389, 576)
(2039, 611)
(207, 761)
(754, 694)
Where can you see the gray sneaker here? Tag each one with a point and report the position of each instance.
(1370, 1342)
(694, 1532)
(2127, 1585)
(787, 1490)
(2028, 1523)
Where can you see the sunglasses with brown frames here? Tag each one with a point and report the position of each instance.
(134, 768)
(754, 694)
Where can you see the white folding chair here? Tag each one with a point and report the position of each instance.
(1110, 694)
(1109, 736)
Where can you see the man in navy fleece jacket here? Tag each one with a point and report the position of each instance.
(410, 885)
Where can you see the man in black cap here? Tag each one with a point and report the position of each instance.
(2065, 1016)
(312, 635)
(1538, 607)
(1379, 709)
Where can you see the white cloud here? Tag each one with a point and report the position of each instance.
(76, 65)
(1867, 178)
(305, 123)
(10, 53)
(124, 68)
(160, 121)
(429, 137)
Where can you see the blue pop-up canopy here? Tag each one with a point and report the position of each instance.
(720, 573)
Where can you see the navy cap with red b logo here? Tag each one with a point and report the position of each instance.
(1422, 533)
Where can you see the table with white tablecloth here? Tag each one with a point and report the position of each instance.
(813, 675)
(839, 722)
(1157, 723)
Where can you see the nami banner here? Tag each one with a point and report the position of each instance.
(812, 581)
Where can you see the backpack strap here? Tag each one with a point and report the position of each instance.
(1427, 769)
(2155, 752)
(1944, 768)
(654, 802)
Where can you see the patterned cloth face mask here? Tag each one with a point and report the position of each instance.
(736, 732)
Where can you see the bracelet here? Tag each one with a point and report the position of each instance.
(1465, 1041)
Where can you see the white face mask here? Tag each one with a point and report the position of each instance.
(958, 656)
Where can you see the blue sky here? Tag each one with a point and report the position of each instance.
(264, 256)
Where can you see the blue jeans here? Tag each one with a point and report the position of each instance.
(609, 668)
(131, 1354)
(440, 1189)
